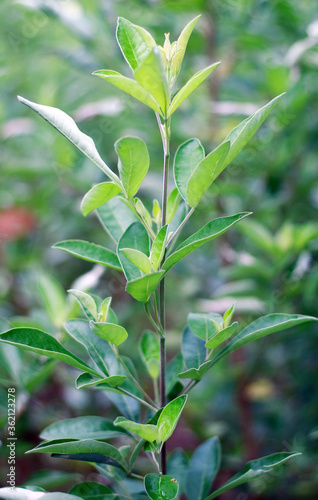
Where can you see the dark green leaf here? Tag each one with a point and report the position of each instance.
(133, 163)
(90, 252)
(142, 288)
(187, 157)
(193, 350)
(93, 491)
(88, 427)
(98, 195)
(161, 487)
(135, 237)
(203, 468)
(116, 217)
(177, 467)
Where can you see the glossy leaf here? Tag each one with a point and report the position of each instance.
(221, 336)
(190, 86)
(193, 350)
(135, 237)
(42, 343)
(138, 258)
(90, 252)
(150, 353)
(129, 86)
(203, 468)
(145, 431)
(116, 217)
(87, 450)
(115, 334)
(67, 127)
(187, 157)
(88, 427)
(254, 469)
(177, 467)
(210, 231)
(133, 163)
(181, 45)
(86, 380)
(205, 173)
(161, 487)
(134, 41)
(142, 288)
(86, 302)
(158, 248)
(151, 75)
(203, 324)
(169, 417)
(98, 195)
(172, 204)
(241, 134)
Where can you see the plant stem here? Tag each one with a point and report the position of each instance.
(141, 401)
(152, 321)
(177, 231)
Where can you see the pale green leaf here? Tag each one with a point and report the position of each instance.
(52, 297)
(136, 238)
(145, 431)
(221, 336)
(105, 309)
(172, 204)
(169, 417)
(181, 45)
(228, 315)
(133, 163)
(116, 217)
(134, 41)
(150, 353)
(98, 195)
(67, 127)
(161, 487)
(138, 258)
(203, 468)
(196, 373)
(187, 157)
(87, 427)
(158, 248)
(87, 303)
(86, 380)
(90, 252)
(115, 334)
(142, 288)
(202, 324)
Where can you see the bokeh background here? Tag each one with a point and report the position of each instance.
(263, 399)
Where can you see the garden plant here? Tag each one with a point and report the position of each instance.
(146, 247)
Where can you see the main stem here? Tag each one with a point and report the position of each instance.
(166, 146)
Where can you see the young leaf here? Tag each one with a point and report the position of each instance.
(138, 258)
(86, 380)
(88, 427)
(190, 86)
(136, 238)
(161, 487)
(207, 233)
(67, 127)
(142, 288)
(151, 75)
(42, 343)
(90, 252)
(181, 45)
(158, 248)
(105, 310)
(196, 373)
(187, 157)
(172, 204)
(228, 315)
(150, 353)
(129, 86)
(145, 431)
(134, 42)
(133, 163)
(203, 468)
(98, 195)
(205, 173)
(241, 134)
(193, 350)
(115, 334)
(254, 469)
(87, 450)
(221, 336)
(169, 417)
(87, 303)
(202, 324)
(116, 217)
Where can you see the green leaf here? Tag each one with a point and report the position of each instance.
(67, 127)
(177, 467)
(228, 315)
(134, 42)
(151, 75)
(98, 195)
(105, 310)
(87, 303)
(158, 248)
(133, 163)
(90, 252)
(88, 427)
(193, 350)
(142, 288)
(210, 231)
(190, 86)
(96, 451)
(196, 373)
(173, 368)
(115, 334)
(221, 336)
(86, 380)
(150, 353)
(205, 173)
(28, 494)
(135, 237)
(145, 431)
(53, 298)
(241, 134)
(254, 469)
(203, 468)
(181, 45)
(161, 487)
(203, 324)
(42, 343)
(169, 417)
(187, 157)
(172, 204)
(129, 86)
(259, 328)
(93, 491)
(138, 258)
(116, 217)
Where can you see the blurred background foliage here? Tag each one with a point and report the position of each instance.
(265, 398)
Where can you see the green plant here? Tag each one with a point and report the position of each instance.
(146, 251)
